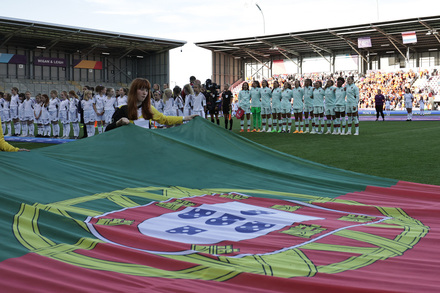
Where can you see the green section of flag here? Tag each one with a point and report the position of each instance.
(198, 155)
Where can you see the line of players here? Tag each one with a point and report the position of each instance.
(22, 111)
(273, 107)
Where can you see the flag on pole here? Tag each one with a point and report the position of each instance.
(364, 42)
(409, 37)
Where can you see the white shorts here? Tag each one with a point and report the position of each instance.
(99, 117)
(408, 106)
(64, 119)
(13, 112)
(107, 117)
(201, 113)
(285, 110)
(276, 109)
(28, 118)
(308, 108)
(53, 115)
(187, 111)
(340, 109)
(266, 110)
(6, 116)
(318, 110)
(73, 116)
(89, 116)
(297, 110)
(351, 108)
(330, 110)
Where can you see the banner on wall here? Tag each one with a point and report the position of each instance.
(12, 58)
(87, 64)
(47, 61)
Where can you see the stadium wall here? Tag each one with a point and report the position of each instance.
(115, 71)
(226, 69)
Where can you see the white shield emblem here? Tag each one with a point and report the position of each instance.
(209, 224)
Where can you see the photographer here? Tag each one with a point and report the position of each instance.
(212, 103)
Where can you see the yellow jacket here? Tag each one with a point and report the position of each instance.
(167, 120)
(4, 145)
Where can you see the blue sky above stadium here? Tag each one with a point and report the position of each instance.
(204, 20)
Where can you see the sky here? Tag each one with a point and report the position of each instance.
(204, 20)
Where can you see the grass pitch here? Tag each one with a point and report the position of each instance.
(393, 149)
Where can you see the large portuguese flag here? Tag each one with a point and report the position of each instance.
(196, 208)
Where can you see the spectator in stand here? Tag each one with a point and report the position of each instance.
(379, 101)
(409, 99)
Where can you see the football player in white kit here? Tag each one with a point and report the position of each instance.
(244, 103)
(286, 106)
(298, 105)
(318, 107)
(266, 110)
(352, 92)
(276, 106)
(330, 104)
(409, 99)
(340, 105)
(308, 105)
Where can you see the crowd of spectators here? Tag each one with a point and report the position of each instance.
(392, 85)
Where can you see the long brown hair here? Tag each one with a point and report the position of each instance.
(139, 83)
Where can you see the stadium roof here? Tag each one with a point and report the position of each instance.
(385, 37)
(29, 34)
